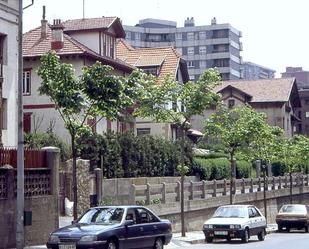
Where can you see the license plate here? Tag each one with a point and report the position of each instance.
(220, 232)
(67, 246)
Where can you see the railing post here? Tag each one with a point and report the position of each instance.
(224, 187)
(266, 183)
(163, 193)
(273, 187)
(203, 189)
(251, 186)
(148, 194)
(214, 194)
(302, 180)
(132, 193)
(178, 191)
(280, 182)
(242, 185)
(259, 184)
(191, 190)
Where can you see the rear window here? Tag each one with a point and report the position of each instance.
(293, 209)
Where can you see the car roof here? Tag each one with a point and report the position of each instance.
(238, 206)
(119, 206)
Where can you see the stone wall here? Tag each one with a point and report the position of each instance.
(197, 211)
(41, 200)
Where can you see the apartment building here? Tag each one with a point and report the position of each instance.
(302, 78)
(207, 46)
(8, 71)
(252, 71)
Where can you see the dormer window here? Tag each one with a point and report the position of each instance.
(231, 103)
(151, 70)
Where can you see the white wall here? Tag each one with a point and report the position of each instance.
(9, 27)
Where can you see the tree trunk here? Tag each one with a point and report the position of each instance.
(291, 188)
(74, 176)
(232, 176)
(182, 211)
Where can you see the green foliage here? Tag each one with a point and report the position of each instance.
(40, 140)
(213, 155)
(203, 144)
(210, 169)
(243, 169)
(278, 169)
(126, 155)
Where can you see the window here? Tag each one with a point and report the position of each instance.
(190, 64)
(191, 77)
(137, 36)
(202, 35)
(202, 63)
(128, 35)
(151, 70)
(190, 36)
(231, 103)
(143, 131)
(27, 82)
(4, 113)
(202, 50)
(178, 36)
(27, 122)
(2, 52)
(111, 48)
(307, 115)
(190, 50)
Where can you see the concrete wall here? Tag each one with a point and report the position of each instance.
(198, 211)
(9, 28)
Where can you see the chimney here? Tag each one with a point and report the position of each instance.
(43, 25)
(57, 35)
(213, 21)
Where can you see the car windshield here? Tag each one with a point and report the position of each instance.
(106, 215)
(293, 209)
(230, 212)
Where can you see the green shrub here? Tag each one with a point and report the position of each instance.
(210, 169)
(243, 169)
(39, 140)
(278, 169)
(213, 155)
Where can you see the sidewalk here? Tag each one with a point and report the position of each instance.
(194, 237)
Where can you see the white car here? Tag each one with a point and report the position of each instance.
(235, 221)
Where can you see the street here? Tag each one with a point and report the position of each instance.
(297, 239)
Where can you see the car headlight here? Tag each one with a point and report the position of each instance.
(208, 226)
(88, 238)
(53, 239)
(235, 226)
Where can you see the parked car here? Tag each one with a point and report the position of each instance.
(113, 227)
(235, 221)
(293, 216)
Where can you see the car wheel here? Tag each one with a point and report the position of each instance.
(158, 244)
(307, 228)
(228, 239)
(279, 228)
(209, 239)
(261, 235)
(111, 245)
(245, 237)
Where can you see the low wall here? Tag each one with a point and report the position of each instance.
(197, 211)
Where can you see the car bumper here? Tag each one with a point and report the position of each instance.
(168, 239)
(224, 234)
(292, 223)
(79, 245)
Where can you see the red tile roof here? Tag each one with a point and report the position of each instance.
(35, 46)
(166, 57)
(263, 90)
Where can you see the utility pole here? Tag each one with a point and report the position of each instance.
(20, 235)
(20, 145)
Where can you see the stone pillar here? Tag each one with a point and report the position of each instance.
(269, 171)
(258, 168)
(52, 161)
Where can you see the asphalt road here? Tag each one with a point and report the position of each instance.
(293, 240)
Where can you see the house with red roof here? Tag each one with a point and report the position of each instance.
(79, 42)
(278, 98)
(162, 62)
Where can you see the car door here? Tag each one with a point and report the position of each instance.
(148, 226)
(255, 220)
(134, 233)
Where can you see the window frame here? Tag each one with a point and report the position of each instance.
(27, 90)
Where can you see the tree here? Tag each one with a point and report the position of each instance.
(294, 154)
(174, 102)
(236, 129)
(96, 93)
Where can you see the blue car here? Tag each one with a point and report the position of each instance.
(113, 227)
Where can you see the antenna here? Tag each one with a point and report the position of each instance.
(83, 9)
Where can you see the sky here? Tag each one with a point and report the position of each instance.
(275, 33)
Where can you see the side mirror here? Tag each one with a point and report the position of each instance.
(128, 222)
